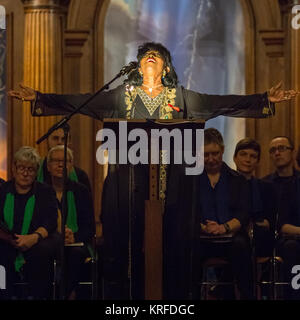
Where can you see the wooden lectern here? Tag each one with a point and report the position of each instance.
(154, 207)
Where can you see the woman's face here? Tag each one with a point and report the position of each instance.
(152, 64)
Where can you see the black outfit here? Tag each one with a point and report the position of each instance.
(116, 194)
(288, 246)
(280, 185)
(1, 181)
(39, 258)
(226, 201)
(285, 201)
(75, 256)
(262, 206)
(81, 175)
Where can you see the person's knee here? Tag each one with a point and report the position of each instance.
(77, 254)
(290, 249)
(241, 243)
(44, 251)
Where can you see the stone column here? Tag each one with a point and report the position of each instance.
(43, 34)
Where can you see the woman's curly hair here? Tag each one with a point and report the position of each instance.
(170, 80)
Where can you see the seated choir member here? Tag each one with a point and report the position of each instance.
(288, 246)
(28, 209)
(79, 221)
(222, 210)
(262, 207)
(282, 155)
(56, 138)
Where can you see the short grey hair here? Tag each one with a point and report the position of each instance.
(28, 154)
(60, 148)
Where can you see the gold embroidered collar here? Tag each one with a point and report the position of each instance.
(168, 97)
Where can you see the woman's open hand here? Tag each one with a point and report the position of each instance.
(24, 94)
(276, 94)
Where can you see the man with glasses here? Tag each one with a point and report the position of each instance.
(281, 150)
(28, 211)
(286, 181)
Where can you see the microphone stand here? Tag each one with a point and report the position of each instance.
(125, 70)
(64, 201)
(63, 124)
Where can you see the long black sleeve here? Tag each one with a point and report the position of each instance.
(205, 106)
(104, 105)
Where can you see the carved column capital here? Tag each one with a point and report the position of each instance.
(274, 41)
(74, 41)
(45, 4)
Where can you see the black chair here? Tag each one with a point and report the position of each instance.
(273, 263)
(90, 269)
(205, 283)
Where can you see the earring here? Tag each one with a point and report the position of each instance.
(164, 74)
(141, 73)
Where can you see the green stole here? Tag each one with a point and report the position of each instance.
(40, 176)
(72, 218)
(72, 212)
(9, 211)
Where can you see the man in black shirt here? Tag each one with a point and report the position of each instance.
(28, 210)
(285, 181)
(281, 150)
(289, 234)
(222, 211)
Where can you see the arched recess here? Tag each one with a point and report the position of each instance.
(267, 63)
(256, 19)
(84, 56)
(14, 73)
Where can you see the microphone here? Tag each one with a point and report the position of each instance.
(129, 67)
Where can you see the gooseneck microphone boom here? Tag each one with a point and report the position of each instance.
(129, 67)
